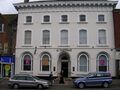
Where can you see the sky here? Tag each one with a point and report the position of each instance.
(6, 6)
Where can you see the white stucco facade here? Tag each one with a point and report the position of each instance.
(66, 56)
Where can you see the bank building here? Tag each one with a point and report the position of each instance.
(76, 36)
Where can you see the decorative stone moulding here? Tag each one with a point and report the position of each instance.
(44, 4)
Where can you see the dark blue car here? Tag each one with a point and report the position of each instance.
(94, 79)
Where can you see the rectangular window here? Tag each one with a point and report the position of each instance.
(82, 37)
(82, 18)
(64, 18)
(102, 37)
(46, 37)
(46, 18)
(27, 37)
(101, 18)
(28, 19)
(64, 37)
(1, 27)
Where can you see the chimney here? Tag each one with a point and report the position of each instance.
(26, 1)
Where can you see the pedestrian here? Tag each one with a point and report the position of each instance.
(51, 78)
(61, 77)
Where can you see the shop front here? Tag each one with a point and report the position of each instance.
(7, 64)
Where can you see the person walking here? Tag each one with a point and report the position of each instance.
(51, 78)
(61, 78)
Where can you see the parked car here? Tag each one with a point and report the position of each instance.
(23, 80)
(94, 79)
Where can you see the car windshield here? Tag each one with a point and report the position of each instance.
(90, 75)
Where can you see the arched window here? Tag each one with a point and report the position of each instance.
(64, 37)
(102, 62)
(82, 36)
(27, 62)
(27, 37)
(83, 63)
(46, 37)
(45, 62)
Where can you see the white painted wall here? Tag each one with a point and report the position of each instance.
(73, 28)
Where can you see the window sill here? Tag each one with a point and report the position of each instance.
(46, 23)
(27, 46)
(82, 22)
(64, 22)
(28, 23)
(45, 46)
(102, 45)
(101, 22)
(83, 46)
(64, 46)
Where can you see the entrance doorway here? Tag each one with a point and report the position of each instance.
(64, 64)
(64, 68)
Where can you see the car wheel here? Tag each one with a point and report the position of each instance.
(105, 84)
(15, 86)
(81, 85)
(40, 86)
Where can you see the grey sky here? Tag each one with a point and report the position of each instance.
(6, 6)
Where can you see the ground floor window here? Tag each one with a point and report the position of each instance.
(102, 62)
(45, 62)
(83, 62)
(27, 62)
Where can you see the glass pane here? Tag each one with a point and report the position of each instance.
(46, 37)
(29, 19)
(64, 37)
(100, 17)
(64, 18)
(82, 18)
(27, 62)
(46, 18)
(27, 37)
(102, 37)
(83, 37)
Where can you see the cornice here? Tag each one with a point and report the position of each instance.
(50, 4)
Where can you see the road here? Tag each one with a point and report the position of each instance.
(3, 86)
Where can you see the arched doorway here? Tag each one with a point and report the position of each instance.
(64, 64)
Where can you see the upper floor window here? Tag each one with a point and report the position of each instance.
(82, 17)
(102, 36)
(101, 18)
(82, 37)
(46, 18)
(64, 18)
(46, 37)
(27, 37)
(28, 19)
(64, 37)
(1, 27)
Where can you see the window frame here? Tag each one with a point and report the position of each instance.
(64, 18)
(87, 65)
(26, 37)
(22, 61)
(101, 18)
(86, 41)
(29, 19)
(46, 20)
(100, 41)
(41, 66)
(46, 38)
(98, 59)
(81, 18)
(2, 27)
(62, 43)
